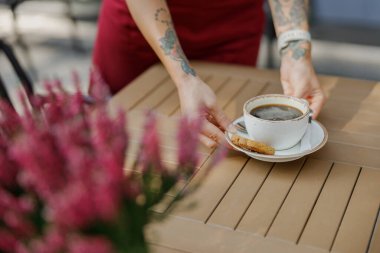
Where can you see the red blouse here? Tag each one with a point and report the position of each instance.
(212, 30)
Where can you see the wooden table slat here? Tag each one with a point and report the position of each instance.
(361, 140)
(300, 201)
(358, 221)
(140, 87)
(354, 115)
(216, 83)
(350, 106)
(171, 103)
(161, 249)
(272, 88)
(228, 91)
(211, 190)
(168, 154)
(235, 107)
(375, 242)
(328, 212)
(340, 152)
(154, 99)
(166, 140)
(232, 207)
(197, 237)
(352, 126)
(354, 89)
(268, 201)
(163, 205)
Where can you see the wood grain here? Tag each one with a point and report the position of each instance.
(300, 201)
(328, 212)
(201, 203)
(268, 201)
(236, 201)
(358, 221)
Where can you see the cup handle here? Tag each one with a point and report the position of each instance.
(310, 115)
(310, 111)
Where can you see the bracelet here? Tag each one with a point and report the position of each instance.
(293, 35)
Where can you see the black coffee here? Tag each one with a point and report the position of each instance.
(276, 112)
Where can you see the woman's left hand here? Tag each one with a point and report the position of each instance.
(298, 77)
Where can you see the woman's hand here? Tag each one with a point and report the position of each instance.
(197, 97)
(298, 77)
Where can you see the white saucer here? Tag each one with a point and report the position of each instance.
(316, 133)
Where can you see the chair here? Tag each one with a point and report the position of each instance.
(69, 13)
(21, 74)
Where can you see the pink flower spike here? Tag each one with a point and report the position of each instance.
(110, 140)
(188, 141)
(149, 154)
(76, 79)
(219, 154)
(28, 121)
(99, 89)
(95, 244)
(10, 121)
(8, 242)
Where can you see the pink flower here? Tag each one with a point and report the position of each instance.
(8, 242)
(219, 154)
(37, 154)
(94, 244)
(149, 156)
(8, 169)
(99, 89)
(188, 142)
(53, 242)
(74, 144)
(73, 207)
(110, 139)
(132, 188)
(18, 224)
(10, 121)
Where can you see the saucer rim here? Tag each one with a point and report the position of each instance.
(306, 152)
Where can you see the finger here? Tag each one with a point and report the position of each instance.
(213, 132)
(302, 90)
(221, 118)
(317, 103)
(287, 88)
(207, 141)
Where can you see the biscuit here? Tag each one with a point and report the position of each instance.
(251, 145)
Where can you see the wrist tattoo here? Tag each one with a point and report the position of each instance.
(296, 50)
(170, 44)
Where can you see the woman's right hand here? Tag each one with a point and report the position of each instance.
(197, 97)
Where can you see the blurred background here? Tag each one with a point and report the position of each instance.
(50, 38)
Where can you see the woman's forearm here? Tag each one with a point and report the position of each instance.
(289, 14)
(292, 15)
(154, 21)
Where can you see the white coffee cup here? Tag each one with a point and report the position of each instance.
(280, 134)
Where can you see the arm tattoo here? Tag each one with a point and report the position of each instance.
(279, 16)
(293, 17)
(298, 12)
(170, 44)
(296, 50)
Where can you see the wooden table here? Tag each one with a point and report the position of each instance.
(326, 202)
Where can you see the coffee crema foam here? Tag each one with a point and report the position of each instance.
(276, 112)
